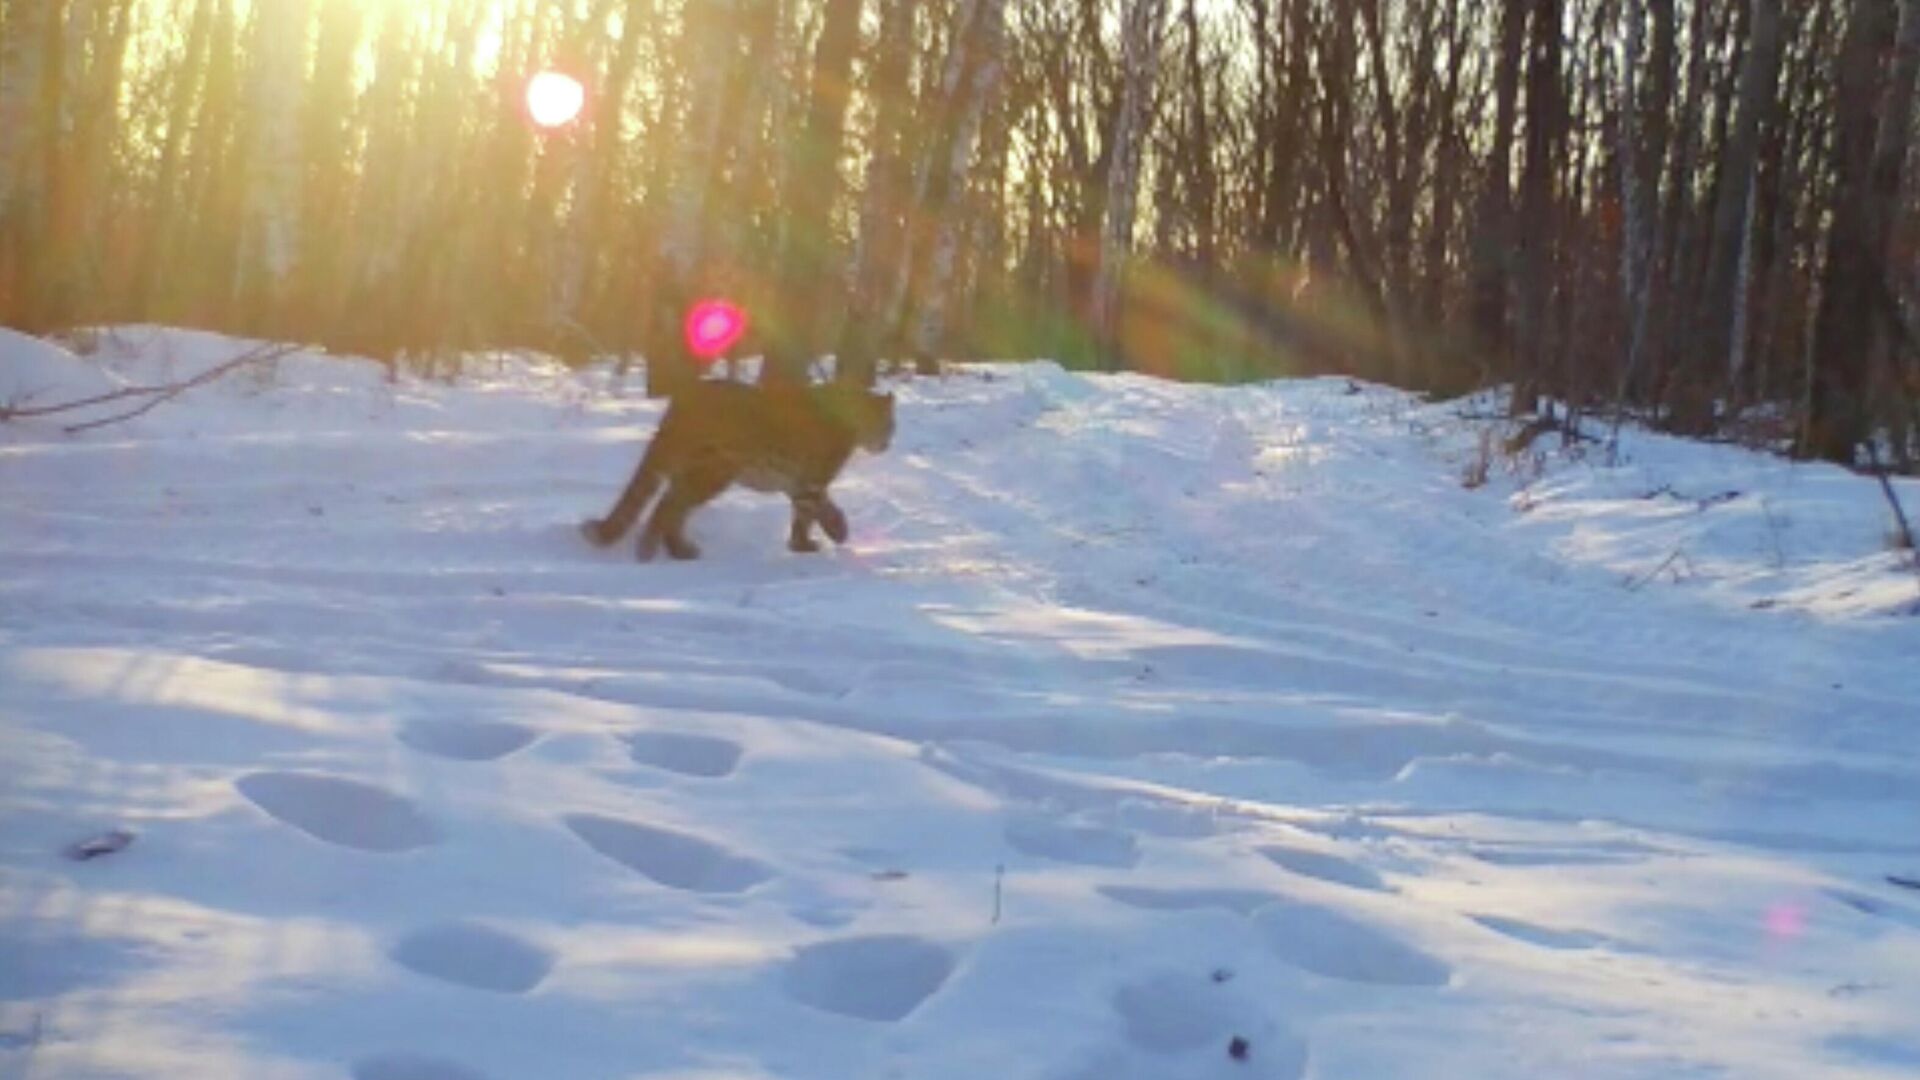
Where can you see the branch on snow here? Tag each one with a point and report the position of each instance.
(154, 395)
(1905, 535)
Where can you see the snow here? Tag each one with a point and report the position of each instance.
(1136, 719)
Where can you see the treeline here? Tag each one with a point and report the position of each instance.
(1698, 211)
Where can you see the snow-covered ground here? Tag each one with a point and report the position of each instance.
(1143, 732)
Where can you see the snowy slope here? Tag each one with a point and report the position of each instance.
(1140, 726)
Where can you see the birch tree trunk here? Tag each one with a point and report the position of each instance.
(1546, 135)
(812, 190)
(1896, 125)
(593, 161)
(705, 45)
(1888, 180)
(167, 198)
(28, 40)
(881, 235)
(709, 22)
(270, 213)
(1203, 187)
(926, 204)
(1139, 52)
(1636, 248)
(1837, 418)
(327, 178)
(23, 38)
(1759, 88)
(1494, 229)
(949, 177)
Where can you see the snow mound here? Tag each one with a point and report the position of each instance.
(1142, 731)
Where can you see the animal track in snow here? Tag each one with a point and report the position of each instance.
(1535, 934)
(1166, 819)
(1326, 942)
(344, 812)
(1238, 901)
(466, 740)
(1179, 1012)
(411, 1067)
(1524, 857)
(474, 956)
(1090, 845)
(881, 977)
(1172, 1012)
(1318, 864)
(1875, 907)
(689, 755)
(675, 859)
(36, 968)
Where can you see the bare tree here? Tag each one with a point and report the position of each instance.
(1140, 52)
(979, 41)
(1837, 417)
(277, 52)
(1718, 329)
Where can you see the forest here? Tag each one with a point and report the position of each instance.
(1694, 213)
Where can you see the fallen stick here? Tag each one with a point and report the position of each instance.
(156, 392)
(1899, 512)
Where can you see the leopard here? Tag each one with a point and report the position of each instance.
(775, 438)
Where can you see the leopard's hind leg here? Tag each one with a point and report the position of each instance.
(690, 490)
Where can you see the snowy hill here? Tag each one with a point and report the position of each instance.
(1143, 732)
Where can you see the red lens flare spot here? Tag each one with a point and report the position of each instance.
(713, 327)
(1786, 921)
(554, 98)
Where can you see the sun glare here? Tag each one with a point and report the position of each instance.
(554, 99)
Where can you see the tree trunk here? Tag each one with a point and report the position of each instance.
(1546, 134)
(1837, 417)
(270, 214)
(30, 49)
(813, 188)
(706, 46)
(1202, 185)
(1759, 91)
(1140, 51)
(882, 228)
(1892, 142)
(948, 176)
(1635, 247)
(166, 199)
(1447, 162)
(1494, 231)
(1675, 257)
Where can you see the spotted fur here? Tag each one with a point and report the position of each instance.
(789, 440)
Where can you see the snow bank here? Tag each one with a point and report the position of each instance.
(1143, 731)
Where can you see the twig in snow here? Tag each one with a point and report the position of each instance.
(1679, 556)
(1774, 530)
(1899, 512)
(105, 843)
(162, 394)
(14, 412)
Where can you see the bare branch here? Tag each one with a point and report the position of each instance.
(155, 394)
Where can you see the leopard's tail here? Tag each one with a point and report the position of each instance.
(607, 531)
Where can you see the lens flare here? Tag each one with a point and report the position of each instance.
(713, 327)
(1786, 921)
(554, 99)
